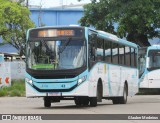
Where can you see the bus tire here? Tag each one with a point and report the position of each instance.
(81, 101)
(93, 101)
(123, 99)
(47, 102)
(115, 100)
(99, 91)
(77, 102)
(86, 101)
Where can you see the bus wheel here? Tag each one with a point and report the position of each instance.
(93, 101)
(47, 102)
(78, 101)
(85, 101)
(99, 92)
(123, 99)
(115, 100)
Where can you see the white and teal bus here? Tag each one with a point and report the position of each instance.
(80, 64)
(149, 67)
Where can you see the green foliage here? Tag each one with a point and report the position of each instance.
(95, 14)
(16, 89)
(14, 22)
(137, 20)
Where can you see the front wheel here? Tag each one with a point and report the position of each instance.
(93, 101)
(47, 102)
(81, 101)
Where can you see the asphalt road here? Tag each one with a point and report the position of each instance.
(136, 105)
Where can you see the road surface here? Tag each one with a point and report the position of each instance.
(149, 104)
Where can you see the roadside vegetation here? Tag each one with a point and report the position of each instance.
(135, 20)
(16, 89)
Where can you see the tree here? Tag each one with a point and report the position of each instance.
(137, 20)
(14, 22)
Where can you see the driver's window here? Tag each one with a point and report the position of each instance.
(92, 48)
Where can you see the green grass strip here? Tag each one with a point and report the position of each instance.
(16, 89)
(38, 66)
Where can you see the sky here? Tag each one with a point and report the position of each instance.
(53, 3)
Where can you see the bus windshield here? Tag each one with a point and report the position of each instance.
(56, 54)
(142, 60)
(154, 59)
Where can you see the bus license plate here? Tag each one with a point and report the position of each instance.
(54, 94)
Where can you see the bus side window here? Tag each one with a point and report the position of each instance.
(99, 50)
(121, 54)
(92, 48)
(108, 51)
(128, 54)
(132, 57)
(115, 53)
(135, 56)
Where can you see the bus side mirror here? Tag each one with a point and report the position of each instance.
(147, 62)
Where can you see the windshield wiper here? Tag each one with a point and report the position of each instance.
(65, 45)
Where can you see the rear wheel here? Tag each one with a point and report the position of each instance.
(123, 99)
(47, 102)
(115, 100)
(99, 92)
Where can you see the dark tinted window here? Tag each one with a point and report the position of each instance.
(127, 56)
(99, 50)
(115, 52)
(108, 51)
(132, 57)
(121, 54)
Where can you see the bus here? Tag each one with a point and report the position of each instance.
(80, 64)
(149, 67)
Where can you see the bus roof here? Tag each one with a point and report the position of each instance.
(100, 33)
(154, 47)
(114, 38)
(69, 26)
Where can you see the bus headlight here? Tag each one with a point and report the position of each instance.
(29, 81)
(81, 80)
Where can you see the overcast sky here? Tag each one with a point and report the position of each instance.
(53, 3)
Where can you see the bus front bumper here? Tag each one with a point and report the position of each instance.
(79, 90)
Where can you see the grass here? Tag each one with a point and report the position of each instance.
(16, 89)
